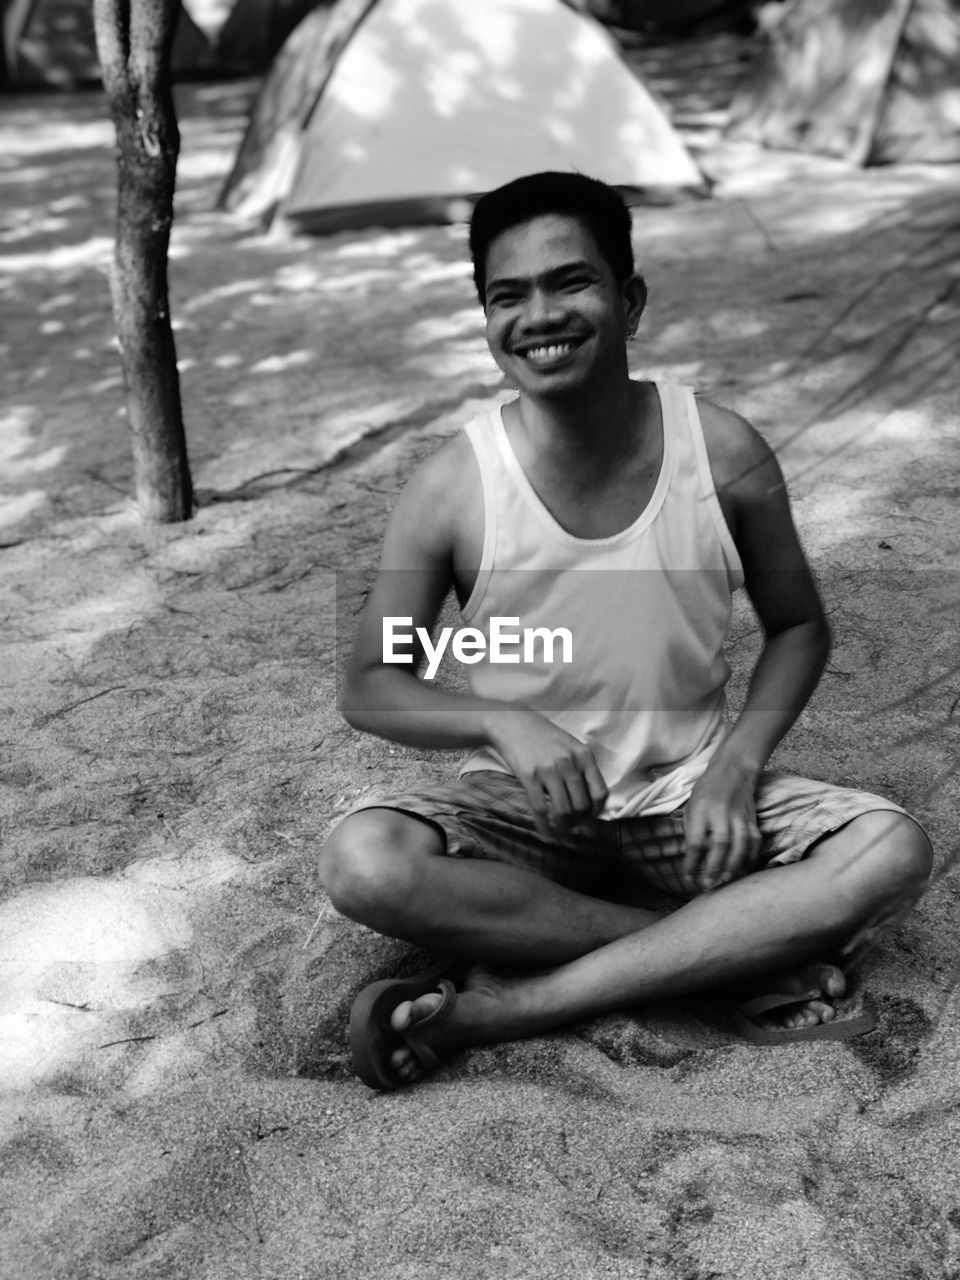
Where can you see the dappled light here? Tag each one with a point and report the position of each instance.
(277, 364)
(15, 431)
(95, 252)
(84, 623)
(467, 323)
(173, 990)
(17, 509)
(64, 134)
(245, 305)
(73, 955)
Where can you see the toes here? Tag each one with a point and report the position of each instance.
(819, 1011)
(409, 1012)
(832, 981)
(402, 1016)
(406, 1065)
(796, 1018)
(827, 977)
(809, 1014)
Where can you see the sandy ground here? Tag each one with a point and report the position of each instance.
(173, 991)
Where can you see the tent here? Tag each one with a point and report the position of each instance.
(869, 81)
(387, 112)
(50, 43)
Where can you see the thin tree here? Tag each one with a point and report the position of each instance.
(134, 42)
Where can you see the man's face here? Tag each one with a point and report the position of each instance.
(557, 319)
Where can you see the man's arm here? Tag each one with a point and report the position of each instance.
(557, 771)
(416, 573)
(721, 830)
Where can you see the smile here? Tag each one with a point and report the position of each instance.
(548, 352)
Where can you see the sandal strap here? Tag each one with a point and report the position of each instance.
(424, 1054)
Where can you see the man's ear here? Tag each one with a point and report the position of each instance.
(635, 299)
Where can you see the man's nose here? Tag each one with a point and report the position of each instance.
(544, 307)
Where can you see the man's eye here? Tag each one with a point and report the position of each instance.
(573, 283)
(504, 299)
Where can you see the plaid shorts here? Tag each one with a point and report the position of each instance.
(486, 814)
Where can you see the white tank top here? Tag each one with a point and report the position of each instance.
(647, 609)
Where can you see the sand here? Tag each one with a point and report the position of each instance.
(173, 986)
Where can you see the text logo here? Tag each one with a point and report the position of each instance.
(506, 643)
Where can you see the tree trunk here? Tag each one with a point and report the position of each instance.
(134, 39)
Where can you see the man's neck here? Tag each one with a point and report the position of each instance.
(592, 431)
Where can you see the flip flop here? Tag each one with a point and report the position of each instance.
(743, 1013)
(373, 1039)
(857, 1024)
(808, 979)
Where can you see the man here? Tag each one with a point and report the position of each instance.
(623, 515)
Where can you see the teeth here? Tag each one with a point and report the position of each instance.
(549, 353)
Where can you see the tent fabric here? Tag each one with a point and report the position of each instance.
(52, 43)
(263, 169)
(867, 81)
(428, 103)
(920, 117)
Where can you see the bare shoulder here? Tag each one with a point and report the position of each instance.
(753, 496)
(443, 475)
(436, 504)
(744, 466)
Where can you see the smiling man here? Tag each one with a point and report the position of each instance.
(626, 512)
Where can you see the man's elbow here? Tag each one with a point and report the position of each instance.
(350, 704)
(366, 699)
(813, 628)
(353, 718)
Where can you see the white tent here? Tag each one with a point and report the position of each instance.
(428, 103)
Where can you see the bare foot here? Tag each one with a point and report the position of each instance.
(482, 1012)
(493, 1007)
(808, 1011)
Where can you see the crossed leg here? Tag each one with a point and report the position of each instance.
(585, 956)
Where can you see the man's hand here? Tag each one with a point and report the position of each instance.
(720, 826)
(557, 771)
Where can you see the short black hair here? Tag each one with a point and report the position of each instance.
(599, 207)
